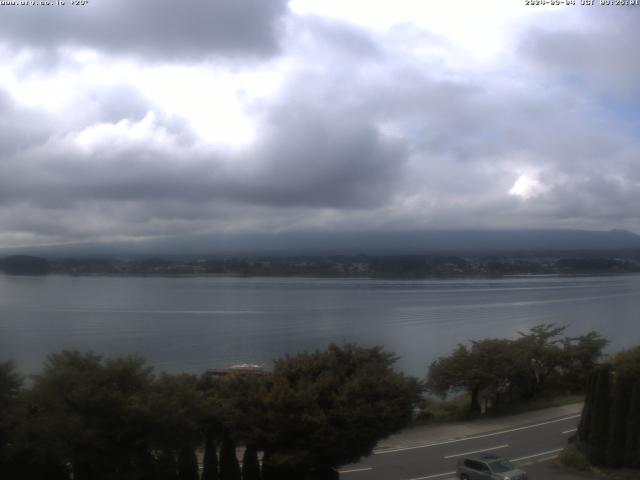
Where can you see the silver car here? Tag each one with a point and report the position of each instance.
(486, 466)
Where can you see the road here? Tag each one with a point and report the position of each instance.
(523, 443)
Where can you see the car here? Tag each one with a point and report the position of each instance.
(486, 466)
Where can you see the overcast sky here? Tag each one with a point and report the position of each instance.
(128, 119)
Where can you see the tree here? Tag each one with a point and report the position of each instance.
(177, 408)
(632, 447)
(581, 356)
(588, 411)
(489, 366)
(92, 414)
(598, 430)
(329, 408)
(542, 358)
(250, 464)
(210, 461)
(229, 467)
(187, 464)
(240, 405)
(618, 417)
(10, 389)
(504, 370)
(609, 431)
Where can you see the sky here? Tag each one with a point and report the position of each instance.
(130, 120)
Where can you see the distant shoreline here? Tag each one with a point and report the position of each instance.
(328, 277)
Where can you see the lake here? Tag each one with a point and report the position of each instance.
(191, 324)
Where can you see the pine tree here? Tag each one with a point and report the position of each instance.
(210, 462)
(250, 464)
(632, 444)
(187, 464)
(622, 389)
(268, 472)
(166, 466)
(229, 467)
(597, 444)
(587, 411)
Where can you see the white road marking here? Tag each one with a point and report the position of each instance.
(356, 470)
(570, 430)
(546, 459)
(433, 476)
(475, 437)
(476, 451)
(537, 455)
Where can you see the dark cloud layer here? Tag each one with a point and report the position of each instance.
(154, 29)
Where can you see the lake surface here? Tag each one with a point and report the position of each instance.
(191, 324)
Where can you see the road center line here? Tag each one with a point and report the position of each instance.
(537, 454)
(476, 451)
(570, 430)
(356, 470)
(475, 437)
(433, 476)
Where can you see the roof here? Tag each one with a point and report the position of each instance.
(487, 457)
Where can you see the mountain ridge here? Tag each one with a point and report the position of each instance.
(364, 242)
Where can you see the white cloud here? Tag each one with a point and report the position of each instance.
(526, 187)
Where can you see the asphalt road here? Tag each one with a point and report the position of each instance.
(522, 444)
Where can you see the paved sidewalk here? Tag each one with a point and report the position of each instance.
(448, 431)
(551, 470)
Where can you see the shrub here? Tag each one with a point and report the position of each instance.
(573, 458)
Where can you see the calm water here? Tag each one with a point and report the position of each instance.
(191, 324)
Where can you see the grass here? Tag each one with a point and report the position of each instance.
(457, 408)
(572, 457)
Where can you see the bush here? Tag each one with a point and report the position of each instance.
(573, 458)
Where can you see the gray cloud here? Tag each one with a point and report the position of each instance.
(598, 55)
(360, 135)
(153, 29)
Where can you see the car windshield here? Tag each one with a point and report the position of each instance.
(500, 466)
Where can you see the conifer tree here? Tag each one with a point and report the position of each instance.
(187, 464)
(167, 468)
(587, 411)
(210, 461)
(597, 444)
(229, 467)
(632, 444)
(250, 464)
(622, 390)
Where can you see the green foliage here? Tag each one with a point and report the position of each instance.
(93, 414)
(241, 405)
(454, 408)
(586, 419)
(622, 390)
(10, 389)
(572, 457)
(627, 362)
(109, 419)
(632, 447)
(537, 363)
(581, 356)
(177, 408)
(329, 408)
(596, 448)
(609, 432)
